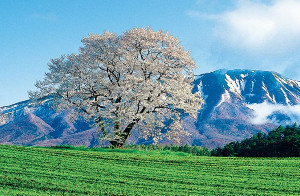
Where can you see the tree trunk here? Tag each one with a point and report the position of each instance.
(120, 141)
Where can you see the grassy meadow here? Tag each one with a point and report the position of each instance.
(50, 171)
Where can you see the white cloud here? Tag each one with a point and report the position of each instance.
(249, 34)
(257, 27)
(263, 111)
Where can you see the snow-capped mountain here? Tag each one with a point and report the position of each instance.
(249, 87)
(238, 103)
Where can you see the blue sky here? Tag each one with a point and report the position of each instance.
(231, 34)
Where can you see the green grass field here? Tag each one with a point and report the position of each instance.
(48, 171)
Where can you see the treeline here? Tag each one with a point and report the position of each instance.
(281, 142)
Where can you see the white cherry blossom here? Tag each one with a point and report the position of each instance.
(141, 77)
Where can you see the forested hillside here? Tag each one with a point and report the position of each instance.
(281, 142)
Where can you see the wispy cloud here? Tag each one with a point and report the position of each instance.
(49, 17)
(253, 34)
(264, 113)
(257, 26)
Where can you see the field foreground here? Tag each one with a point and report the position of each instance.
(48, 171)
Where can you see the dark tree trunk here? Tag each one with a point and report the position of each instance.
(118, 143)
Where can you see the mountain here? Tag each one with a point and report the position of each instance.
(238, 103)
(28, 124)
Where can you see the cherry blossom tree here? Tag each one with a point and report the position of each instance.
(140, 78)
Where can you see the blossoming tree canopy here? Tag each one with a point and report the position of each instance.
(140, 78)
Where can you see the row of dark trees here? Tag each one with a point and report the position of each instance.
(281, 142)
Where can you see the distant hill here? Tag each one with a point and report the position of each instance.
(238, 103)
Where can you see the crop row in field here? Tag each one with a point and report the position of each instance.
(46, 171)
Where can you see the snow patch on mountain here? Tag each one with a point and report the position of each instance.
(200, 88)
(224, 98)
(287, 101)
(272, 99)
(244, 75)
(234, 85)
